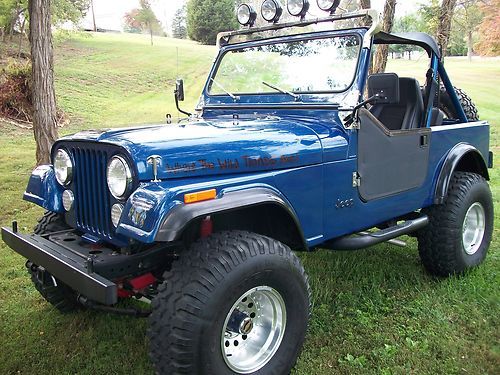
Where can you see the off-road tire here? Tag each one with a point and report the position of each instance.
(61, 296)
(440, 244)
(189, 311)
(447, 107)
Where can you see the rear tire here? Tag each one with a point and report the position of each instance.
(460, 230)
(222, 299)
(58, 294)
(447, 107)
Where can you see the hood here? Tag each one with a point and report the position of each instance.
(218, 147)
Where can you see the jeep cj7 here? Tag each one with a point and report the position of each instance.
(293, 145)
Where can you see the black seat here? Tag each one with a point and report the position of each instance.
(403, 114)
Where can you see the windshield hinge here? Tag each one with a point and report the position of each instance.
(356, 179)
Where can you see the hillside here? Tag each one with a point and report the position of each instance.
(105, 80)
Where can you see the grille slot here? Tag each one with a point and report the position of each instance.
(92, 203)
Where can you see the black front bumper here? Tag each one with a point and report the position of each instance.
(68, 266)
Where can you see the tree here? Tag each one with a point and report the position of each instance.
(68, 10)
(404, 24)
(179, 29)
(14, 14)
(468, 17)
(489, 29)
(206, 18)
(142, 19)
(42, 68)
(444, 27)
(383, 49)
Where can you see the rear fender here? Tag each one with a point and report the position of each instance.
(463, 157)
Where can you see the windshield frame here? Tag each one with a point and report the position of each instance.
(358, 33)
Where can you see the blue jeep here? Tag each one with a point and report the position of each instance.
(293, 145)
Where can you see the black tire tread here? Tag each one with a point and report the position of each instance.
(436, 242)
(468, 105)
(61, 296)
(187, 287)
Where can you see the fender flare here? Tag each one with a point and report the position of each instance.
(177, 219)
(452, 161)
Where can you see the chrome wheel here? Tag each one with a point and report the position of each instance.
(473, 228)
(253, 329)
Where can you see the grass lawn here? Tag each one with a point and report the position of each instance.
(375, 311)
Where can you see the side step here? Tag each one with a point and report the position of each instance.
(367, 240)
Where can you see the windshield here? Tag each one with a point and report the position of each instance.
(306, 66)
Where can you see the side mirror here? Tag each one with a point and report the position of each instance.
(383, 88)
(179, 90)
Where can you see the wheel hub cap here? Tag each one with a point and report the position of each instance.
(246, 326)
(253, 330)
(473, 228)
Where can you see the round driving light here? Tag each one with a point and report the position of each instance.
(63, 167)
(67, 199)
(119, 177)
(116, 214)
(328, 5)
(297, 8)
(246, 15)
(271, 10)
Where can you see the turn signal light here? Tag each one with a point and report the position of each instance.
(200, 196)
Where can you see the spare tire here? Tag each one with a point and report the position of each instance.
(446, 105)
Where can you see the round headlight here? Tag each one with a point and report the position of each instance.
(63, 167)
(328, 5)
(67, 199)
(271, 10)
(119, 177)
(297, 8)
(246, 15)
(116, 213)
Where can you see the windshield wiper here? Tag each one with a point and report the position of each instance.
(235, 98)
(293, 95)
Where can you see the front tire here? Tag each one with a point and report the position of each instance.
(236, 302)
(55, 292)
(460, 230)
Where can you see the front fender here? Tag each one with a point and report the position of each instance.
(154, 213)
(44, 190)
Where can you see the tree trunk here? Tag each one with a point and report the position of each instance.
(383, 49)
(366, 4)
(469, 45)
(14, 17)
(42, 67)
(93, 15)
(444, 27)
(151, 33)
(21, 35)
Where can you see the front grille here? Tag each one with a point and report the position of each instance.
(92, 199)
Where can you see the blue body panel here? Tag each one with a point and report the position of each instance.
(44, 190)
(299, 150)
